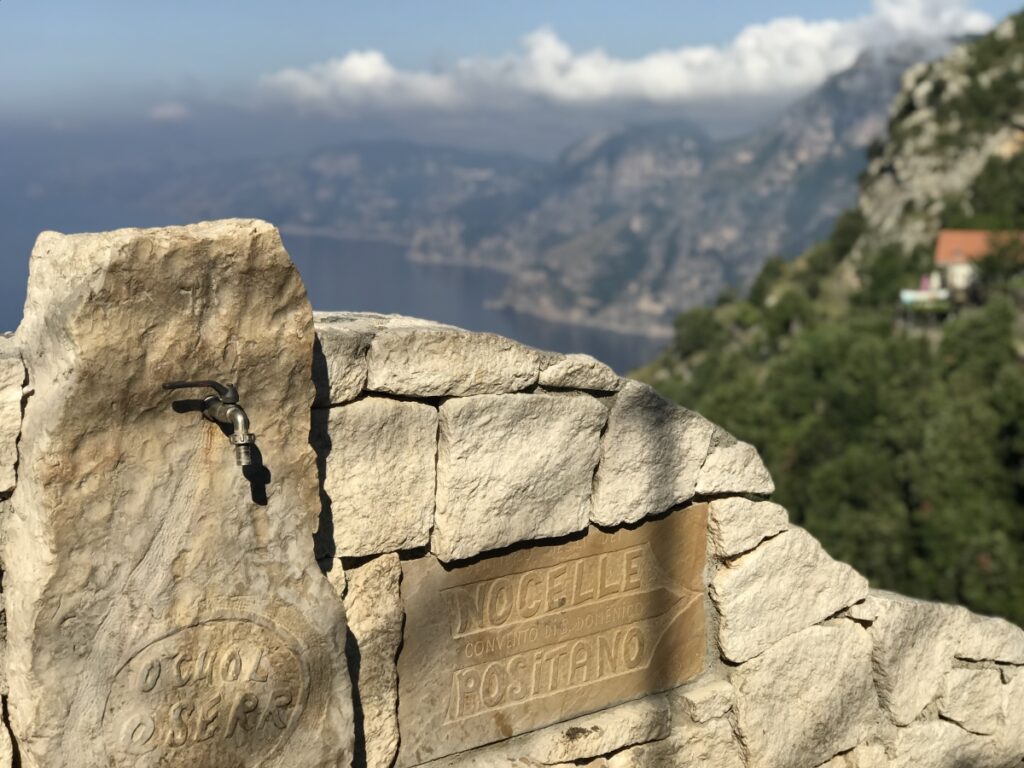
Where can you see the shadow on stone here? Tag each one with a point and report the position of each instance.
(354, 658)
(321, 375)
(258, 476)
(320, 440)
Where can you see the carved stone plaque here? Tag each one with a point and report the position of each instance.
(517, 641)
(222, 692)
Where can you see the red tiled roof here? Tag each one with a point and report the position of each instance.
(958, 246)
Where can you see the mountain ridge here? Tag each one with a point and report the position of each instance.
(656, 219)
(898, 441)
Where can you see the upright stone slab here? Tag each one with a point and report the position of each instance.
(164, 609)
(12, 376)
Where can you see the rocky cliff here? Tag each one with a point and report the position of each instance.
(636, 225)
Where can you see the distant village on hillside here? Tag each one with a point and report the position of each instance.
(953, 279)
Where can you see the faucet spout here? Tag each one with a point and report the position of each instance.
(241, 438)
(224, 408)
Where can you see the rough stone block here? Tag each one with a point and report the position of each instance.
(807, 698)
(783, 586)
(373, 607)
(6, 749)
(943, 744)
(733, 467)
(575, 740)
(863, 756)
(737, 525)
(651, 454)
(512, 468)
(12, 377)
(975, 699)
(914, 642)
(1011, 736)
(580, 372)
(164, 606)
(703, 701)
(344, 339)
(420, 359)
(866, 611)
(712, 744)
(335, 572)
(991, 639)
(380, 458)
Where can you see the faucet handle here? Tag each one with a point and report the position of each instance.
(228, 393)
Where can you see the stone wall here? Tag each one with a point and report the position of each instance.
(539, 563)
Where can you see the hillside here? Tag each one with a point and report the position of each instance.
(899, 443)
(633, 226)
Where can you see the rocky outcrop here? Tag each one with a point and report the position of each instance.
(943, 131)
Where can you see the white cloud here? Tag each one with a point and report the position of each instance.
(169, 112)
(783, 55)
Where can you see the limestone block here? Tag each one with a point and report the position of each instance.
(863, 756)
(344, 339)
(580, 372)
(783, 586)
(1011, 736)
(733, 467)
(991, 639)
(712, 743)
(575, 740)
(866, 611)
(420, 359)
(373, 607)
(380, 458)
(512, 468)
(12, 377)
(914, 642)
(975, 699)
(704, 700)
(164, 605)
(335, 575)
(807, 698)
(737, 525)
(651, 454)
(602, 733)
(6, 750)
(942, 744)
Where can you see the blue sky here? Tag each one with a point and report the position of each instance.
(60, 57)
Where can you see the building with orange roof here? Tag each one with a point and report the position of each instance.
(957, 252)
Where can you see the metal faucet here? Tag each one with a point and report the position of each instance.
(223, 408)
